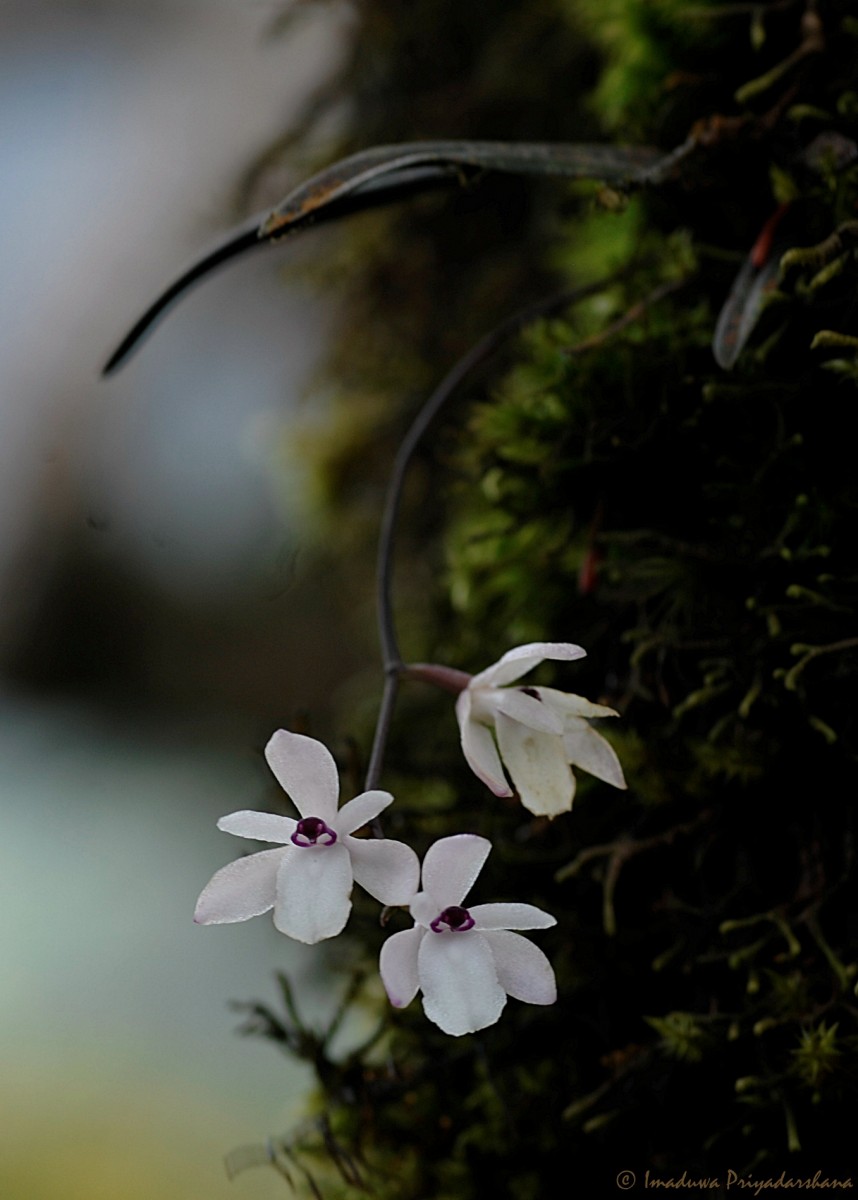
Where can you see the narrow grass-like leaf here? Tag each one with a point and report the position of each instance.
(613, 164)
(385, 174)
(248, 237)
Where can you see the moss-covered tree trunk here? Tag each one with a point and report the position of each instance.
(691, 524)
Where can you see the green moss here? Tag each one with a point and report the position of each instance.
(694, 529)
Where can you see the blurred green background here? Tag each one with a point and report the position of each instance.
(155, 602)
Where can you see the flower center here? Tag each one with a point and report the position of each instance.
(457, 920)
(310, 829)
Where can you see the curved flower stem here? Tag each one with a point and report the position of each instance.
(484, 349)
(382, 727)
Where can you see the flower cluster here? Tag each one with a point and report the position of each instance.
(465, 961)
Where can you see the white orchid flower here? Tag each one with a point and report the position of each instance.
(465, 961)
(541, 733)
(308, 879)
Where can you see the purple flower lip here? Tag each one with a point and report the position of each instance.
(457, 920)
(310, 829)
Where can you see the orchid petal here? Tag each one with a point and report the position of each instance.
(518, 706)
(305, 769)
(263, 827)
(510, 916)
(240, 890)
(521, 659)
(479, 748)
(538, 767)
(388, 870)
(587, 749)
(425, 908)
(571, 705)
(360, 810)
(314, 886)
(523, 971)
(398, 966)
(461, 993)
(451, 865)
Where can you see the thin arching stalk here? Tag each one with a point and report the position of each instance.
(484, 349)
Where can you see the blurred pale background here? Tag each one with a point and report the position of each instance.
(152, 603)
